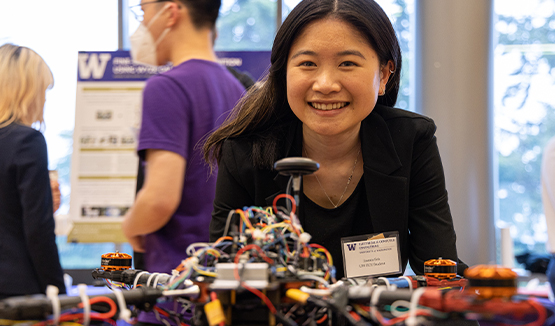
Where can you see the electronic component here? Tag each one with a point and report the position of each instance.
(39, 307)
(491, 281)
(417, 281)
(265, 272)
(131, 276)
(115, 261)
(439, 272)
(255, 275)
(440, 268)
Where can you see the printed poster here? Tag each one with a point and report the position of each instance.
(107, 121)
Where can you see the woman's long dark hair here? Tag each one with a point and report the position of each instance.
(263, 114)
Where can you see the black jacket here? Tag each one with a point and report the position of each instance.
(29, 258)
(403, 176)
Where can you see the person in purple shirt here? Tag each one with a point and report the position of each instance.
(181, 106)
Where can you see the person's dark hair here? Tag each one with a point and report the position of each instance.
(264, 112)
(203, 12)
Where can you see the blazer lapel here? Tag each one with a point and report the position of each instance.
(386, 193)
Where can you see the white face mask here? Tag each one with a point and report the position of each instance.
(143, 46)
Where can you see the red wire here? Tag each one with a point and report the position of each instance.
(354, 315)
(315, 245)
(293, 209)
(162, 312)
(253, 290)
(166, 314)
(321, 320)
(105, 315)
(393, 321)
(293, 204)
(542, 314)
(78, 316)
(253, 246)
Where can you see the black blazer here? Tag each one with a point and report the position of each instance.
(29, 258)
(403, 176)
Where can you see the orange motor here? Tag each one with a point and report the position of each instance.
(440, 268)
(115, 261)
(491, 281)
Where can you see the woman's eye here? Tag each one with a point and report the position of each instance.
(347, 64)
(307, 64)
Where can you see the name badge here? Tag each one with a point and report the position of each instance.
(371, 254)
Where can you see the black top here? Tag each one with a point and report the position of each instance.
(328, 226)
(403, 179)
(29, 258)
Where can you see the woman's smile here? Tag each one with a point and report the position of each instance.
(328, 106)
(333, 77)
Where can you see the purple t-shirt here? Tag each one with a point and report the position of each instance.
(180, 107)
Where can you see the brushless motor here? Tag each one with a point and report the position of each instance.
(115, 261)
(491, 281)
(440, 268)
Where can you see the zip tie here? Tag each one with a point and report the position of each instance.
(155, 283)
(411, 320)
(124, 313)
(86, 303)
(150, 278)
(137, 278)
(399, 303)
(386, 282)
(52, 294)
(191, 290)
(191, 248)
(375, 296)
(409, 280)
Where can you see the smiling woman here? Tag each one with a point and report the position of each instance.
(334, 77)
(333, 80)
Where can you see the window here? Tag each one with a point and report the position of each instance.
(246, 25)
(524, 81)
(241, 26)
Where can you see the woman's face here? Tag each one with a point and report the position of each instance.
(333, 77)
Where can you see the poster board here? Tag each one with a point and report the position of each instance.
(107, 120)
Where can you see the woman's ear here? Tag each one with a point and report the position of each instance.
(386, 72)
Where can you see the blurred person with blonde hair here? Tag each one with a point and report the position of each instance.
(29, 259)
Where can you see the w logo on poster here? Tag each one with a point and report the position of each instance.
(93, 64)
(351, 246)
